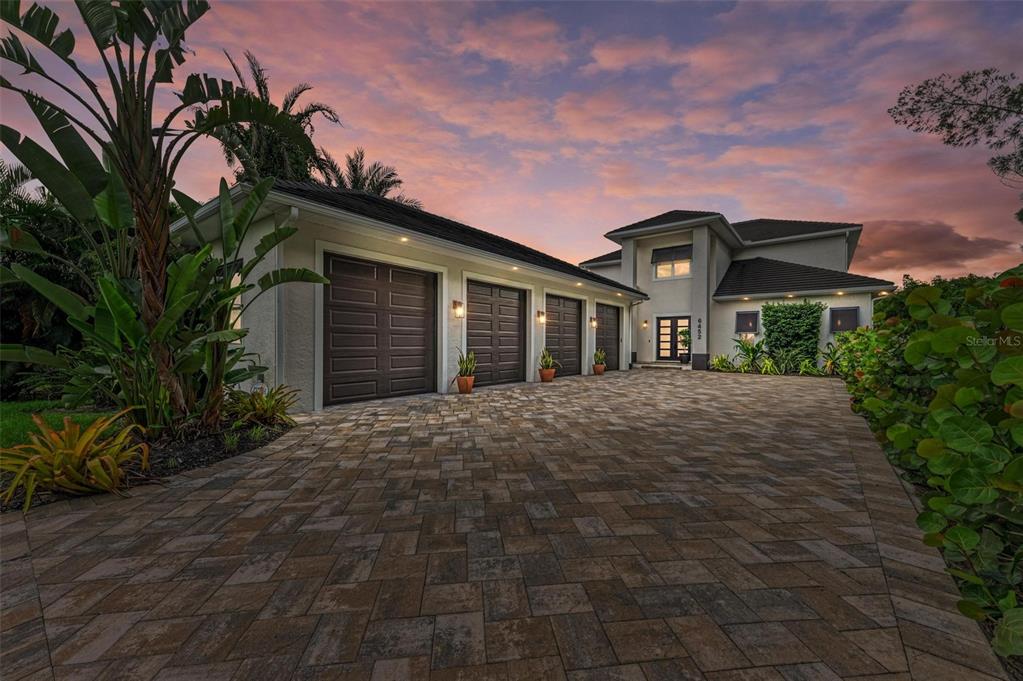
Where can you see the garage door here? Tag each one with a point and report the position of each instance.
(496, 332)
(379, 331)
(607, 332)
(564, 333)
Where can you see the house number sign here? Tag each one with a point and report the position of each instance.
(699, 328)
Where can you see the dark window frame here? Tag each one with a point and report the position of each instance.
(756, 323)
(831, 319)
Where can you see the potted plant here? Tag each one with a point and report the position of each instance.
(548, 366)
(684, 336)
(599, 361)
(466, 372)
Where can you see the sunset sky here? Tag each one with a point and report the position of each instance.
(554, 123)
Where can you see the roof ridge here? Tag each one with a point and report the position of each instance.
(804, 222)
(448, 223)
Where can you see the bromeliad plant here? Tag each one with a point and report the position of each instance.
(940, 380)
(722, 363)
(600, 357)
(264, 409)
(73, 460)
(547, 360)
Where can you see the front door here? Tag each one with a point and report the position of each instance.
(670, 345)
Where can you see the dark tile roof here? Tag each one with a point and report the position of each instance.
(763, 275)
(613, 256)
(763, 229)
(667, 218)
(416, 220)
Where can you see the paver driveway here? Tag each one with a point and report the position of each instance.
(645, 524)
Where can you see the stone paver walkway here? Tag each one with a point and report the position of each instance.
(641, 525)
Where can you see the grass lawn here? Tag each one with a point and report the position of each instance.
(16, 419)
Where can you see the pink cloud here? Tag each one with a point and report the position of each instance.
(611, 116)
(529, 39)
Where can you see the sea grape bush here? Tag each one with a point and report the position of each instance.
(940, 380)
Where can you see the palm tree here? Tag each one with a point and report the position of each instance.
(377, 178)
(259, 151)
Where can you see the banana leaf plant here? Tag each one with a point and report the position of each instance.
(195, 328)
(139, 46)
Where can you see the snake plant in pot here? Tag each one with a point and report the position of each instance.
(466, 371)
(599, 361)
(548, 366)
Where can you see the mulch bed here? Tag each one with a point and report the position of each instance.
(165, 459)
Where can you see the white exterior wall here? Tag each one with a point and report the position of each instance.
(830, 252)
(609, 270)
(722, 335)
(303, 303)
(260, 317)
(668, 297)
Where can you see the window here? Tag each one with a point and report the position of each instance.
(844, 319)
(747, 322)
(672, 262)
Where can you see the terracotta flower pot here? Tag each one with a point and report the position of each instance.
(465, 384)
(547, 375)
(598, 369)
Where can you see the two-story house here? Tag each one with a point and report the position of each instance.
(711, 276)
(409, 289)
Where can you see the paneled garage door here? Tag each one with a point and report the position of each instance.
(379, 330)
(564, 333)
(496, 332)
(608, 325)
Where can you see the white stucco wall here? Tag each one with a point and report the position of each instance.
(668, 298)
(610, 270)
(302, 304)
(722, 331)
(830, 252)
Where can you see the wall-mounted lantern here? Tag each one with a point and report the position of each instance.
(593, 322)
(645, 323)
(541, 317)
(458, 309)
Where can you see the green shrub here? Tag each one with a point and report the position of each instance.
(808, 367)
(940, 380)
(787, 360)
(793, 327)
(750, 355)
(269, 409)
(722, 363)
(73, 460)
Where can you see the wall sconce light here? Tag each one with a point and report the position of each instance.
(840, 293)
(541, 317)
(645, 323)
(458, 309)
(593, 322)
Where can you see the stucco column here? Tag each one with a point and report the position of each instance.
(629, 279)
(701, 269)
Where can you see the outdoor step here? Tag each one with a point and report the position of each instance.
(662, 365)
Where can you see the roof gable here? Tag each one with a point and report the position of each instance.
(606, 259)
(671, 217)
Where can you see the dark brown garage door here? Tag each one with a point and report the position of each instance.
(607, 332)
(379, 331)
(564, 333)
(496, 332)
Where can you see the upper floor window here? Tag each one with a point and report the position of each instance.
(844, 319)
(672, 262)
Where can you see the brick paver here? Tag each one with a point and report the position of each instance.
(640, 525)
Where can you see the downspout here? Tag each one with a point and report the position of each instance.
(279, 305)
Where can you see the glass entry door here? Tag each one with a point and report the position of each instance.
(670, 345)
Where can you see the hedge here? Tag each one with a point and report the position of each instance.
(940, 380)
(793, 327)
